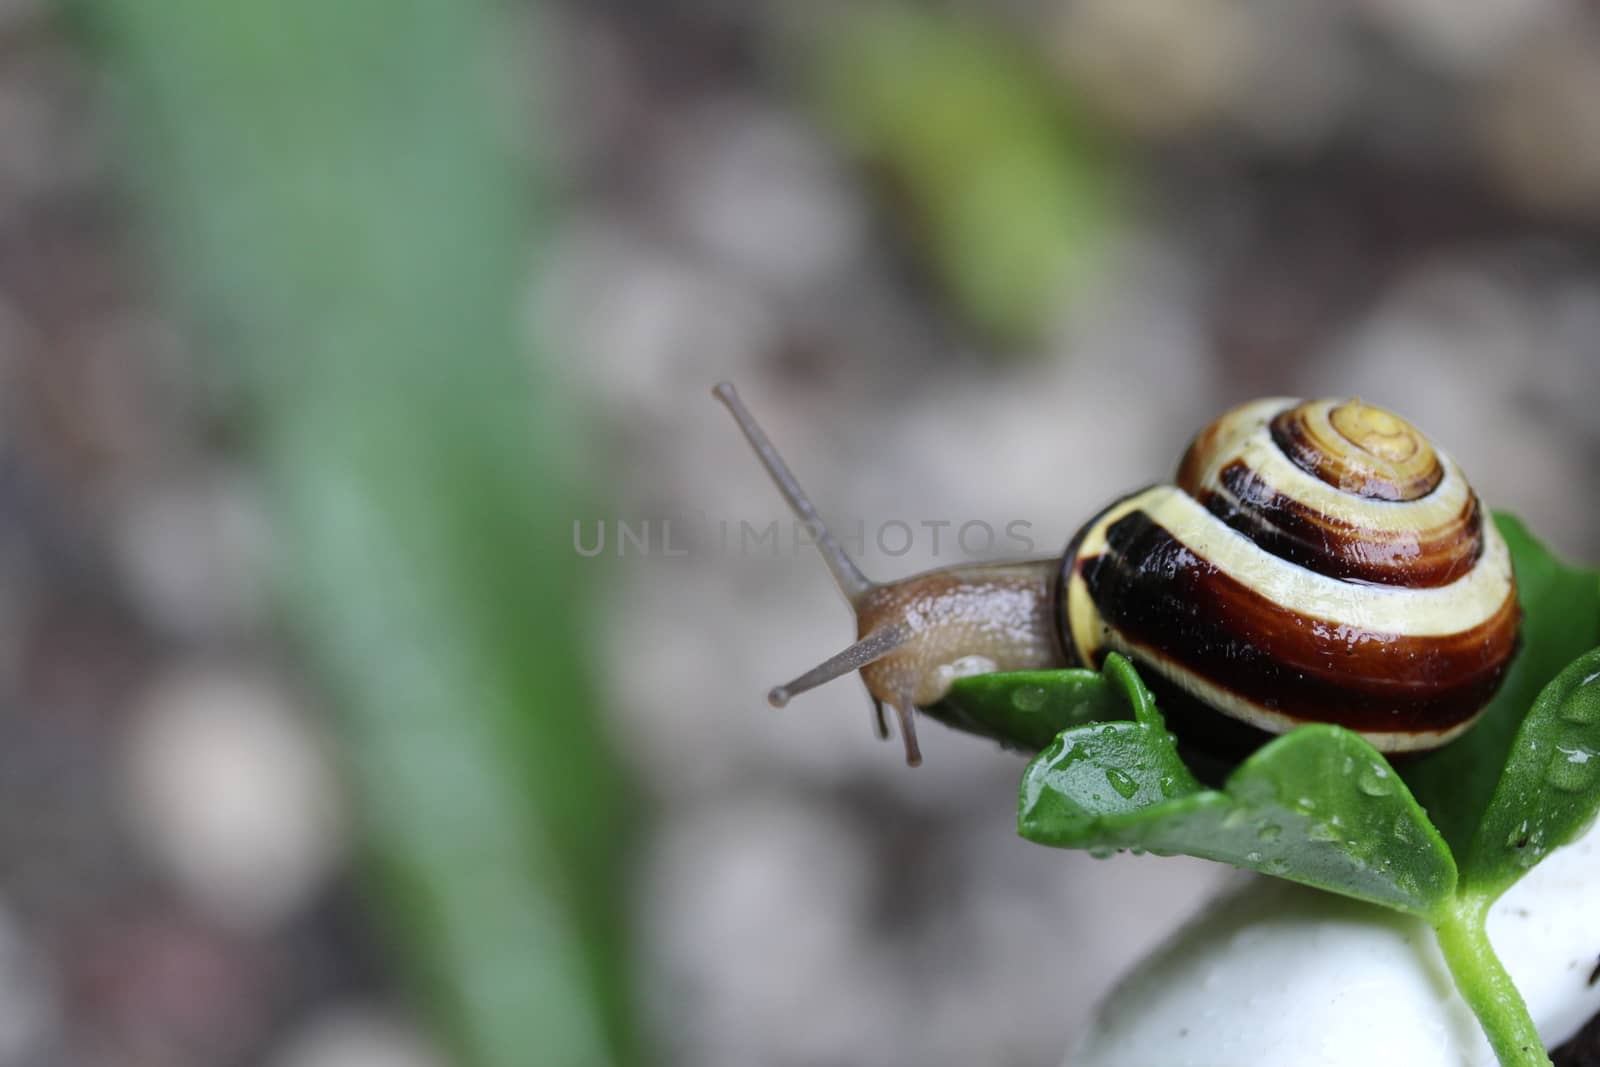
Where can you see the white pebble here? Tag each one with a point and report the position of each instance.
(1281, 974)
(762, 196)
(357, 1037)
(232, 794)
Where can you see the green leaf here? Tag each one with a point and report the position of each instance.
(1561, 620)
(1006, 193)
(1113, 768)
(1027, 709)
(338, 196)
(1549, 791)
(1319, 806)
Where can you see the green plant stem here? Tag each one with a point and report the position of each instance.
(1485, 985)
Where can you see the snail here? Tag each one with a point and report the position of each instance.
(1312, 561)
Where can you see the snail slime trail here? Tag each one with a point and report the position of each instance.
(1312, 561)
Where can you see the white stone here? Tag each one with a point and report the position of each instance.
(1462, 38)
(757, 910)
(357, 1037)
(231, 793)
(1285, 976)
(762, 195)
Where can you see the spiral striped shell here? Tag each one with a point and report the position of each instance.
(1315, 561)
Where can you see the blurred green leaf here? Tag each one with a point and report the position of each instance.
(1006, 192)
(340, 208)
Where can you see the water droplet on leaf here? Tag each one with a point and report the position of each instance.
(1571, 770)
(1028, 697)
(1122, 782)
(1375, 781)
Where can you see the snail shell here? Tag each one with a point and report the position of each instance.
(1315, 561)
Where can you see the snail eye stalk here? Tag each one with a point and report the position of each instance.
(852, 583)
(871, 648)
(877, 644)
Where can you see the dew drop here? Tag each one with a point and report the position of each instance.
(1571, 770)
(1277, 866)
(1252, 857)
(1321, 831)
(1101, 852)
(1167, 784)
(1122, 782)
(1532, 847)
(1269, 833)
(1374, 781)
(1028, 697)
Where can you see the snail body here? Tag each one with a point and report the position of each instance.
(1312, 561)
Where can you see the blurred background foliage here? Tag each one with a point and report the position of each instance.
(332, 334)
(1005, 192)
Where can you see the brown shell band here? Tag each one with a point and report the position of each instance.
(1339, 487)
(1342, 546)
(1167, 605)
(1271, 643)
